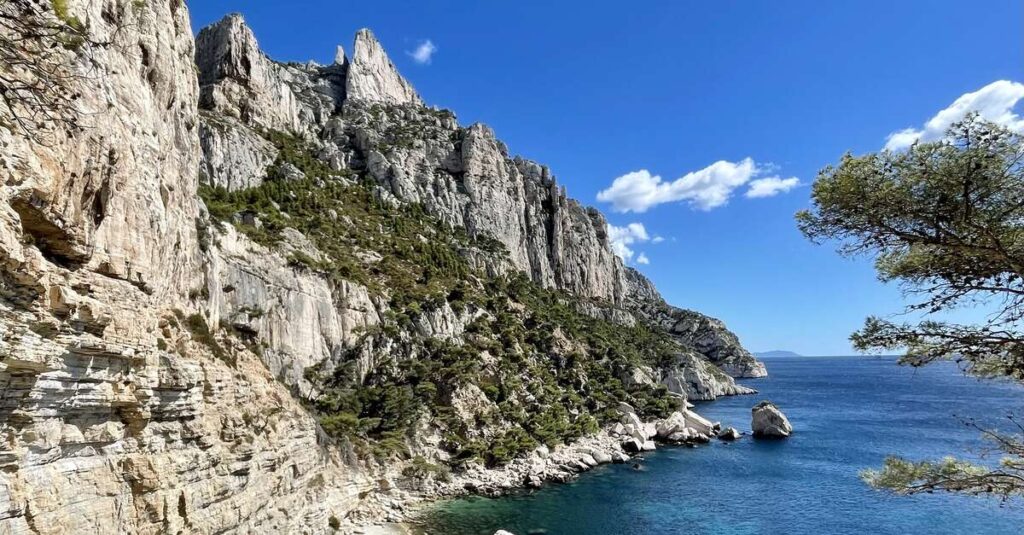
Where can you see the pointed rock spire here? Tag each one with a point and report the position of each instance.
(237, 79)
(372, 77)
(227, 49)
(339, 56)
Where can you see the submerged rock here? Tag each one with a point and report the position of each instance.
(729, 434)
(768, 421)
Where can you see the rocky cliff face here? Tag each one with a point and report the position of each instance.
(165, 368)
(114, 418)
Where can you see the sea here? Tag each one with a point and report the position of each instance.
(848, 414)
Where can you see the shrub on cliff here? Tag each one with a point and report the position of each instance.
(552, 374)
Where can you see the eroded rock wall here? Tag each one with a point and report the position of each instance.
(114, 417)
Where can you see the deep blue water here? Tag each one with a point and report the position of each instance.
(848, 414)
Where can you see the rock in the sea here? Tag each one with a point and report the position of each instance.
(729, 433)
(502, 532)
(684, 435)
(768, 421)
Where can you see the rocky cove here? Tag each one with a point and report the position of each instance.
(398, 511)
(242, 295)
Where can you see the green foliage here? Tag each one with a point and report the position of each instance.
(552, 376)
(72, 36)
(545, 395)
(905, 477)
(421, 468)
(509, 445)
(946, 221)
(201, 333)
(420, 256)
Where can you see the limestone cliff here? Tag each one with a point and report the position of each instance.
(114, 418)
(195, 280)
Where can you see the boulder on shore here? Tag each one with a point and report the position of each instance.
(768, 421)
(632, 445)
(728, 434)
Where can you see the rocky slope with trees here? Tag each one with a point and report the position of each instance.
(247, 295)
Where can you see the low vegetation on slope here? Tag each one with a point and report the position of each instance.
(549, 373)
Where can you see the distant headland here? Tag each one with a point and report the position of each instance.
(775, 354)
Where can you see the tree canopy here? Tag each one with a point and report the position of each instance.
(944, 220)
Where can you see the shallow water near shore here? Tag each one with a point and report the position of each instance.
(848, 414)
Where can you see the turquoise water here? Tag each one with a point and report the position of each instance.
(848, 413)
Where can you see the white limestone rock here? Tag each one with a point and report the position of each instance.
(127, 423)
(233, 156)
(768, 421)
(633, 445)
(705, 335)
(729, 434)
(238, 80)
(371, 76)
(698, 379)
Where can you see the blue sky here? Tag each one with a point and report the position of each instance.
(598, 90)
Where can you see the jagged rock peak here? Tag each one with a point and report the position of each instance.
(372, 77)
(238, 80)
(226, 49)
(339, 56)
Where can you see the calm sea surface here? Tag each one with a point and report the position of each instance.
(848, 414)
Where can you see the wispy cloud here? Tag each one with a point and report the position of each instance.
(642, 259)
(424, 52)
(622, 238)
(705, 189)
(995, 102)
(770, 187)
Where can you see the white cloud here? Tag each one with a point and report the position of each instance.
(657, 239)
(424, 52)
(642, 259)
(994, 102)
(705, 189)
(621, 238)
(770, 186)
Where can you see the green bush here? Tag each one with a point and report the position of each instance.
(201, 333)
(540, 392)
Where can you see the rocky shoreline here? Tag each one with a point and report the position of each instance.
(393, 510)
